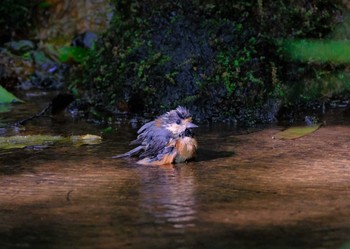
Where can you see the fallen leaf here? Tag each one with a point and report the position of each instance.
(297, 132)
(17, 142)
(7, 97)
(86, 139)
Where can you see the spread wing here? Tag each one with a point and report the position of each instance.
(154, 140)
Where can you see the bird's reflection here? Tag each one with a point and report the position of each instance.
(167, 193)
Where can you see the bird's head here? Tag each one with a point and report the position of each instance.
(178, 121)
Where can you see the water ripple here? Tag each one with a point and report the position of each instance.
(167, 193)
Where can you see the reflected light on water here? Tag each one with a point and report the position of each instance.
(167, 193)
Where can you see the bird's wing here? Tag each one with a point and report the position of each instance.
(143, 133)
(133, 152)
(154, 139)
(165, 155)
(145, 127)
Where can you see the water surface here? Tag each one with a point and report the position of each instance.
(245, 190)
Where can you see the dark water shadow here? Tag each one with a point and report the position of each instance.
(32, 235)
(204, 155)
(303, 236)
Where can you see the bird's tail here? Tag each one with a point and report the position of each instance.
(132, 152)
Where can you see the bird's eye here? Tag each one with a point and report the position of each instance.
(178, 121)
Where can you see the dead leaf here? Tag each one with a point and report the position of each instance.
(297, 132)
(17, 142)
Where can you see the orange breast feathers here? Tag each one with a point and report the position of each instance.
(185, 148)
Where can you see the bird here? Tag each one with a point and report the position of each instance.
(168, 139)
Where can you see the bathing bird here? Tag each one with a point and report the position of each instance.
(167, 139)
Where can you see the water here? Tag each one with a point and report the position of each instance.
(245, 190)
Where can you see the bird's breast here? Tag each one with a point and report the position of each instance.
(185, 149)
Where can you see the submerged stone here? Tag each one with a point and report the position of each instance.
(20, 47)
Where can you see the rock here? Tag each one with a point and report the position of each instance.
(20, 47)
(34, 71)
(60, 102)
(14, 69)
(85, 40)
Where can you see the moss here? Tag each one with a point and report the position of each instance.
(220, 59)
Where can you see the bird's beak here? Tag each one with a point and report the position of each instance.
(190, 125)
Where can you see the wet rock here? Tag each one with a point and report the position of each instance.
(40, 58)
(46, 59)
(339, 103)
(20, 47)
(85, 40)
(269, 111)
(60, 102)
(66, 18)
(178, 64)
(25, 64)
(49, 72)
(311, 120)
(14, 69)
(35, 70)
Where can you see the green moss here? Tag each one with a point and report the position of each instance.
(219, 59)
(69, 53)
(234, 67)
